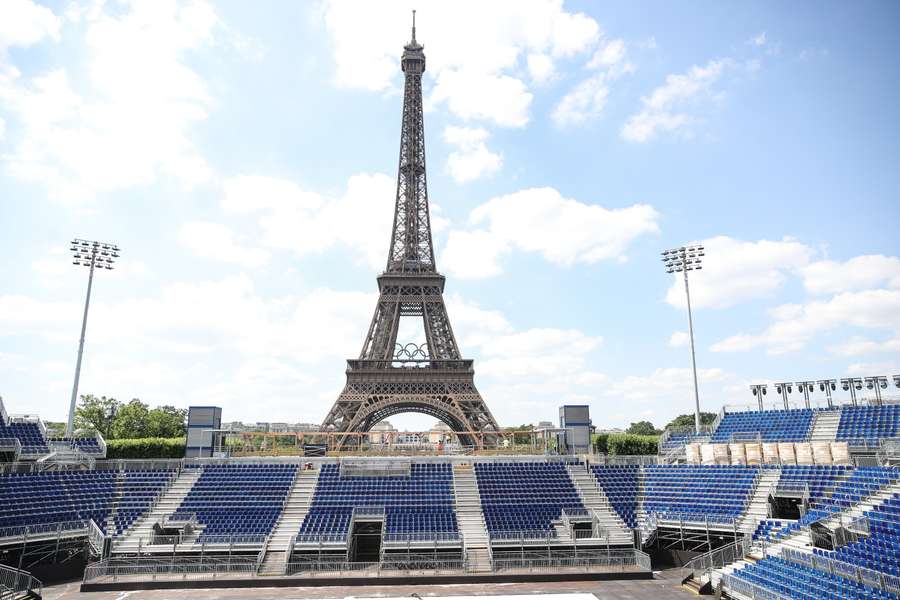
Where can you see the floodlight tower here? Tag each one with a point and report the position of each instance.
(94, 255)
(877, 383)
(759, 390)
(784, 388)
(682, 260)
(806, 387)
(852, 385)
(897, 381)
(828, 386)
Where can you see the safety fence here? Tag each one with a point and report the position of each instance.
(15, 583)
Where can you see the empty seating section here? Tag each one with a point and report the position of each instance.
(620, 484)
(771, 425)
(880, 550)
(29, 435)
(862, 482)
(138, 490)
(819, 480)
(239, 499)
(859, 424)
(86, 445)
(793, 580)
(55, 497)
(698, 492)
(421, 502)
(518, 497)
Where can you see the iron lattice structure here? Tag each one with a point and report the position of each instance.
(391, 378)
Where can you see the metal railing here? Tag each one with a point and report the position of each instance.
(368, 468)
(114, 569)
(705, 564)
(522, 535)
(10, 445)
(71, 528)
(197, 539)
(638, 459)
(320, 538)
(96, 536)
(612, 560)
(750, 590)
(15, 582)
(421, 536)
(180, 519)
(387, 568)
(869, 577)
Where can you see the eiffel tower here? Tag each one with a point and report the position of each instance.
(388, 377)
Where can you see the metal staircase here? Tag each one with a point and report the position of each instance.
(142, 529)
(758, 507)
(594, 499)
(296, 506)
(825, 425)
(470, 517)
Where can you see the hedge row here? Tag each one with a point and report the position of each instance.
(146, 448)
(625, 444)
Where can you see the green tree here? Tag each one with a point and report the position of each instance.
(96, 413)
(166, 422)
(642, 428)
(132, 421)
(706, 418)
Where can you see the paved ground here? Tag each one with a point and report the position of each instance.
(662, 587)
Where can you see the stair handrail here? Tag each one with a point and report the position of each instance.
(719, 558)
(17, 581)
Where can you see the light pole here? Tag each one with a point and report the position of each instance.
(877, 383)
(828, 386)
(92, 255)
(682, 260)
(852, 385)
(759, 390)
(784, 388)
(806, 387)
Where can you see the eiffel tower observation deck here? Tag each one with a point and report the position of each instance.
(392, 376)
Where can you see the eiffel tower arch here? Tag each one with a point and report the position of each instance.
(390, 377)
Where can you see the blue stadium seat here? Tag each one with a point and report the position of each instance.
(421, 502)
(861, 424)
(698, 492)
(524, 496)
(794, 580)
(771, 425)
(239, 499)
(620, 484)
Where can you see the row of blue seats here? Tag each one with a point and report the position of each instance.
(795, 580)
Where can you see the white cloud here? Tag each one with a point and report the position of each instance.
(758, 40)
(796, 324)
(217, 241)
(564, 231)
(583, 103)
(679, 339)
(735, 271)
(472, 95)
(476, 74)
(611, 53)
(587, 99)
(308, 223)
(130, 124)
(471, 160)
(540, 67)
(860, 346)
(24, 23)
(860, 272)
(665, 109)
(663, 394)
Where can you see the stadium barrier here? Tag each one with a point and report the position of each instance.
(63, 529)
(749, 590)
(869, 577)
(15, 583)
(705, 564)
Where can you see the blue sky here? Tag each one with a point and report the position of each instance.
(243, 155)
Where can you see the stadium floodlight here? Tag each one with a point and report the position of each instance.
(827, 386)
(897, 381)
(94, 255)
(759, 390)
(852, 385)
(682, 260)
(806, 387)
(876, 383)
(784, 388)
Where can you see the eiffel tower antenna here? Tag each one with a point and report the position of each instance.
(390, 377)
